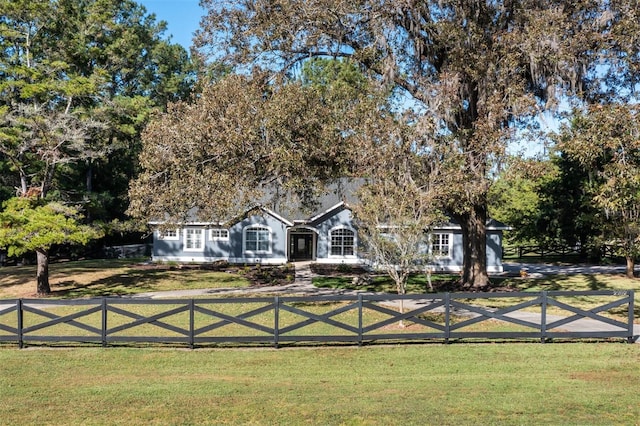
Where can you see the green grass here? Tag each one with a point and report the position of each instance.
(113, 277)
(384, 284)
(586, 384)
(575, 282)
(418, 283)
(266, 319)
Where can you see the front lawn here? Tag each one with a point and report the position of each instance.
(383, 284)
(113, 277)
(450, 282)
(458, 384)
(417, 284)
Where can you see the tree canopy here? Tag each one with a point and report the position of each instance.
(79, 80)
(605, 140)
(243, 140)
(474, 72)
(31, 225)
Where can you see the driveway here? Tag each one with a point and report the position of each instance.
(551, 269)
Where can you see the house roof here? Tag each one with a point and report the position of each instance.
(335, 196)
(291, 210)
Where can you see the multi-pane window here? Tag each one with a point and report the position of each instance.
(257, 239)
(169, 234)
(440, 245)
(219, 234)
(194, 239)
(342, 242)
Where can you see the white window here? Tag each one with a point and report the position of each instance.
(342, 242)
(168, 234)
(193, 239)
(218, 234)
(257, 239)
(441, 245)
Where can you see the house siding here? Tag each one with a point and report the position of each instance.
(277, 252)
(341, 219)
(454, 262)
(233, 250)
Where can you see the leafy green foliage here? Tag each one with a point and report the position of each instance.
(567, 214)
(79, 80)
(334, 77)
(519, 195)
(27, 225)
(605, 140)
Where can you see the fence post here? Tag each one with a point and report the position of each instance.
(359, 319)
(104, 322)
(276, 321)
(447, 317)
(543, 318)
(20, 325)
(192, 323)
(631, 296)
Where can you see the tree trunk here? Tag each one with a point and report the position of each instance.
(401, 287)
(24, 186)
(42, 274)
(474, 246)
(89, 176)
(630, 267)
(89, 182)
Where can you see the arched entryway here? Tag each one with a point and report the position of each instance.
(302, 244)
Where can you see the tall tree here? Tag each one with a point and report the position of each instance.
(78, 81)
(83, 62)
(243, 139)
(397, 202)
(567, 215)
(477, 69)
(605, 139)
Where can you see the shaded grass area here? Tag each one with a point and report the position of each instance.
(449, 282)
(389, 385)
(112, 277)
(383, 284)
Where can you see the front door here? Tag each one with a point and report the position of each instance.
(301, 246)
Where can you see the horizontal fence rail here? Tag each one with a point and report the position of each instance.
(520, 251)
(361, 318)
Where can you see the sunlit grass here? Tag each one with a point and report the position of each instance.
(383, 284)
(383, 385)
(113, 277)
(298, 321)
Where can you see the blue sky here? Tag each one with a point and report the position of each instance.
(182, 17)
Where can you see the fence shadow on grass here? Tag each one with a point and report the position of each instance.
(349, 319)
